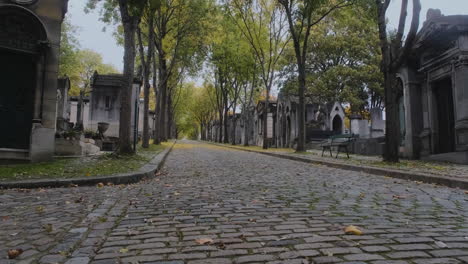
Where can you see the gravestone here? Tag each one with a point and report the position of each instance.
(377, 123)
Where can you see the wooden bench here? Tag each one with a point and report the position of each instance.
(341, 142)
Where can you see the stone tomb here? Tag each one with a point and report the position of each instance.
(105, 103)
(434, 106)
(322, 120)
(29, 51)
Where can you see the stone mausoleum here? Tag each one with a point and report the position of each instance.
(434, 105)
(29, 54)
(105, 103)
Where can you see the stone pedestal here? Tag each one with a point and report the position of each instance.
(75, 147)
(377, 123)
(42, 143)
(359, 126)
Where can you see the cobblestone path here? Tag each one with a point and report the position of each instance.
(247, 207)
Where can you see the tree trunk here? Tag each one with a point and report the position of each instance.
(392, 122)
(233, 130)
(79, 117)
(146, 75)
(265, 120)
(129, 25)
(301, 109)
(225, 126)
(156, 109)
(246, 130)
(170, 120)
(220, 127)
(163, 99)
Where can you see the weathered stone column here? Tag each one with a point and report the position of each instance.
(460, 96)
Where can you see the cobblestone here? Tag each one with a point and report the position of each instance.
(250, 208)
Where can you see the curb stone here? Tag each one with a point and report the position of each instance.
(411, 176)
(147, 171)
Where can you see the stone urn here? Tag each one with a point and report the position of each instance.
(102, 128)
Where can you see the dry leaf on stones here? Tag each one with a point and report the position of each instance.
(40, 209)
(220, 245)
(14, 253)
(352, 230)
(204, 241)
(48, 227)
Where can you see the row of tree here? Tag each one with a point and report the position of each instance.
(166, 40)
(324, 49)
(328, 50)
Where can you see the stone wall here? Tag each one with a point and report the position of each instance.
(47, 16)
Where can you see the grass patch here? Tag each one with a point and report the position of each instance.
(105, 164)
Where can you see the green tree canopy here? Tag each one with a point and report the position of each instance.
(342, 61)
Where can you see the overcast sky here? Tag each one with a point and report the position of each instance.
(91, 36)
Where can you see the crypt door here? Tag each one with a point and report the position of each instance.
(17, 83)
(22, 38)
(337, 125)
(445, 116)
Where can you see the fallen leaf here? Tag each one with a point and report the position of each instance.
(100, 185)
(132, 233)
(79, 200)
(399, 197)
(220, 245)
(40, 209)
(204, 241)
(466, 192)
(352, 230)
(48, 227)
(14, 253)
(123, 250)
(67, 202)
(362, 195)
(110, 184)
(5, 218)
(176, 193)
(88, 174)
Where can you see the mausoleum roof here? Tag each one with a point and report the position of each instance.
(441, 30)
(110, 80)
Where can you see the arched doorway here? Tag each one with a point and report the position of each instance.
(445, 116)
(22, 36)
(337, 125)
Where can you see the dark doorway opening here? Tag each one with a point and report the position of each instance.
(337, 125)
(445, 116)
(18, 80)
